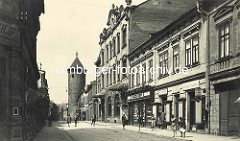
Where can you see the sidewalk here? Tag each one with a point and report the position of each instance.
(168, 134)
(52, 134)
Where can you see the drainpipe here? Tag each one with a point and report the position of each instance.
(207, 81)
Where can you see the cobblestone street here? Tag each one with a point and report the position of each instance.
(114, 132)
(86, 132)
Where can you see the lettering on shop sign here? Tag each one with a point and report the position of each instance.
(140, 95)
(8, 31)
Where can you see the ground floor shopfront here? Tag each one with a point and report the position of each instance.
(225, 110)
(109, 107)
(140, 108)
(186, 100)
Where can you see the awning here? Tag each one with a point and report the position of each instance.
(120, 87)
(238, 100)
(100, 95)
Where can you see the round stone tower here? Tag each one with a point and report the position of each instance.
(76, 84)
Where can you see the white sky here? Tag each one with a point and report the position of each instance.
(67, 27)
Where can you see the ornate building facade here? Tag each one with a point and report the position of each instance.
(197, 50)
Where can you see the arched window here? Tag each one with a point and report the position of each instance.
(109, 107)
(116, 106)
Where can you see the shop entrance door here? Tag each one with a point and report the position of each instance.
(103, 109)
(142, 112)
(229, 113)
(192, 110)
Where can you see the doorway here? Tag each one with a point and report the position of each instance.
(192, 110)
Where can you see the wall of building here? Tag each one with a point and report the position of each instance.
(223, 68)
(19, 72)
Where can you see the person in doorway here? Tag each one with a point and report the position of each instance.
(139, 122)
(123, 121)
(94, 119)
(153, 122)
(69, 120)
(159, 120)
(182, 127)
(174, 126)
(49, 120)
(143, 121)
(163, 121)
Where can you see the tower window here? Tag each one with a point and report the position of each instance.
(72, 75)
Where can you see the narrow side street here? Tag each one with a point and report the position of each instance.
(114, 132)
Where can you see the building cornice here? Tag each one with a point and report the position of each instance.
(180, 81)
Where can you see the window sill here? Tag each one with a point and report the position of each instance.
(174, 72)
(193, 65)
(224, 59)
(124, 46)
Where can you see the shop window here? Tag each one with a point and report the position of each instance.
(168, 112)
(224, 40)
(109, 107)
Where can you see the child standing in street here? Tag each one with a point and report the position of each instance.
(153, 122)
(174, 126)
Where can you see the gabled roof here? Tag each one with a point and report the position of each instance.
(155, 15)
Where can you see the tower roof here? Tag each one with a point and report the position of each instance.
(77, 62)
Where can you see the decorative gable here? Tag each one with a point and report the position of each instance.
(222, 12)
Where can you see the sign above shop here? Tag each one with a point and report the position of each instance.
(161, 92)
(9, 32)
(139, 95)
